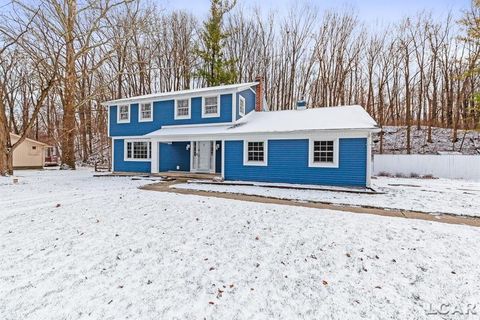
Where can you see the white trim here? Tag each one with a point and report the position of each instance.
(129, 113)
(240, 99)
(140, 119)
(223, 159)
(333, 164)
(175, 116)
(113, 154)
(109, 121)
(234, 106)
(255, 163)
(254, 92)
(369, 161)
(214, 156)
(211, 115)
(125, 141)
(307, 134)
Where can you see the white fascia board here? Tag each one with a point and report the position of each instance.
(174, 95)
(323, 134)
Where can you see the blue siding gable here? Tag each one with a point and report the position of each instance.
(249, 97)
(119, 164)
(288, 163)
(163, 114)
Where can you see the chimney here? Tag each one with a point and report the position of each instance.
(301, 105)
(259, 94)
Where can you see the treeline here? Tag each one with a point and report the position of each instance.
(421, 70)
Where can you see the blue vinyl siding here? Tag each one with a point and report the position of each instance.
(249, 97)
(127, 166)
(288, 162)
(163, 115)
(173, 155)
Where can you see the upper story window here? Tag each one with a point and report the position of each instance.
(323, 153)
(145, 112)
(241, 106)
(123, 115)
(255, 153)
(138, 150)
(210, 107)
(182, 109)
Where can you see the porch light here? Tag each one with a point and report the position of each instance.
(217, 146)
(188, 147)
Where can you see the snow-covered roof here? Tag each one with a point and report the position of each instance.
(331, 118)
(17, 137)
(189, 92)
(318, 119)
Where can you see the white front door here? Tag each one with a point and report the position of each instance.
(203, 156)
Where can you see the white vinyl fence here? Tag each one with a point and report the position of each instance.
(440, 166)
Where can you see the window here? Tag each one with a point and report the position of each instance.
(138, 150)
(34, 150)
(145, 112)
(210, 107)
(255, 153)
(241, 106)
(123, 114)
(182, 109)
(324, 153)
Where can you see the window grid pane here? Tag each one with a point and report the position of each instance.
(211, 105)
(139, 150)
(242, 106)
(256, 151)
(182, 108)
(129, 150)
(146, 111)
(123, 113)
(323, 151)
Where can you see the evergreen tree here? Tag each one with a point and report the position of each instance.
(216, 69)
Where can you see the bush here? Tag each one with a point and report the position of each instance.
(384, 174)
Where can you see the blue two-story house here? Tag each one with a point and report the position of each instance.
(228, 130)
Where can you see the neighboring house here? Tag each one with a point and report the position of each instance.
(29, 154)
(229, 131)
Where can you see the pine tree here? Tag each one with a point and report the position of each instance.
(216, 70)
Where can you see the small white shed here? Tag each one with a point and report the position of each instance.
(29, 154)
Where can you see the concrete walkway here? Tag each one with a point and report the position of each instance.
(445, 218)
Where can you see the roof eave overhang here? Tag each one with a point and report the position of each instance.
(269, 134)
(171, 95)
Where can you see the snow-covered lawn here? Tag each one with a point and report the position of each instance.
(77, 247)
(435, 196)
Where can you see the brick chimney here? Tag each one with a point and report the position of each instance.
(259, 94)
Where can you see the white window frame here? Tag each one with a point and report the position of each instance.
(149, 149)
(118, 113)
(246, 162)
(140, 118)
(210, 115)
(240, 100)
(336, 150)
(189, 116)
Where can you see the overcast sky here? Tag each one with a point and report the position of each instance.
(370, 11)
